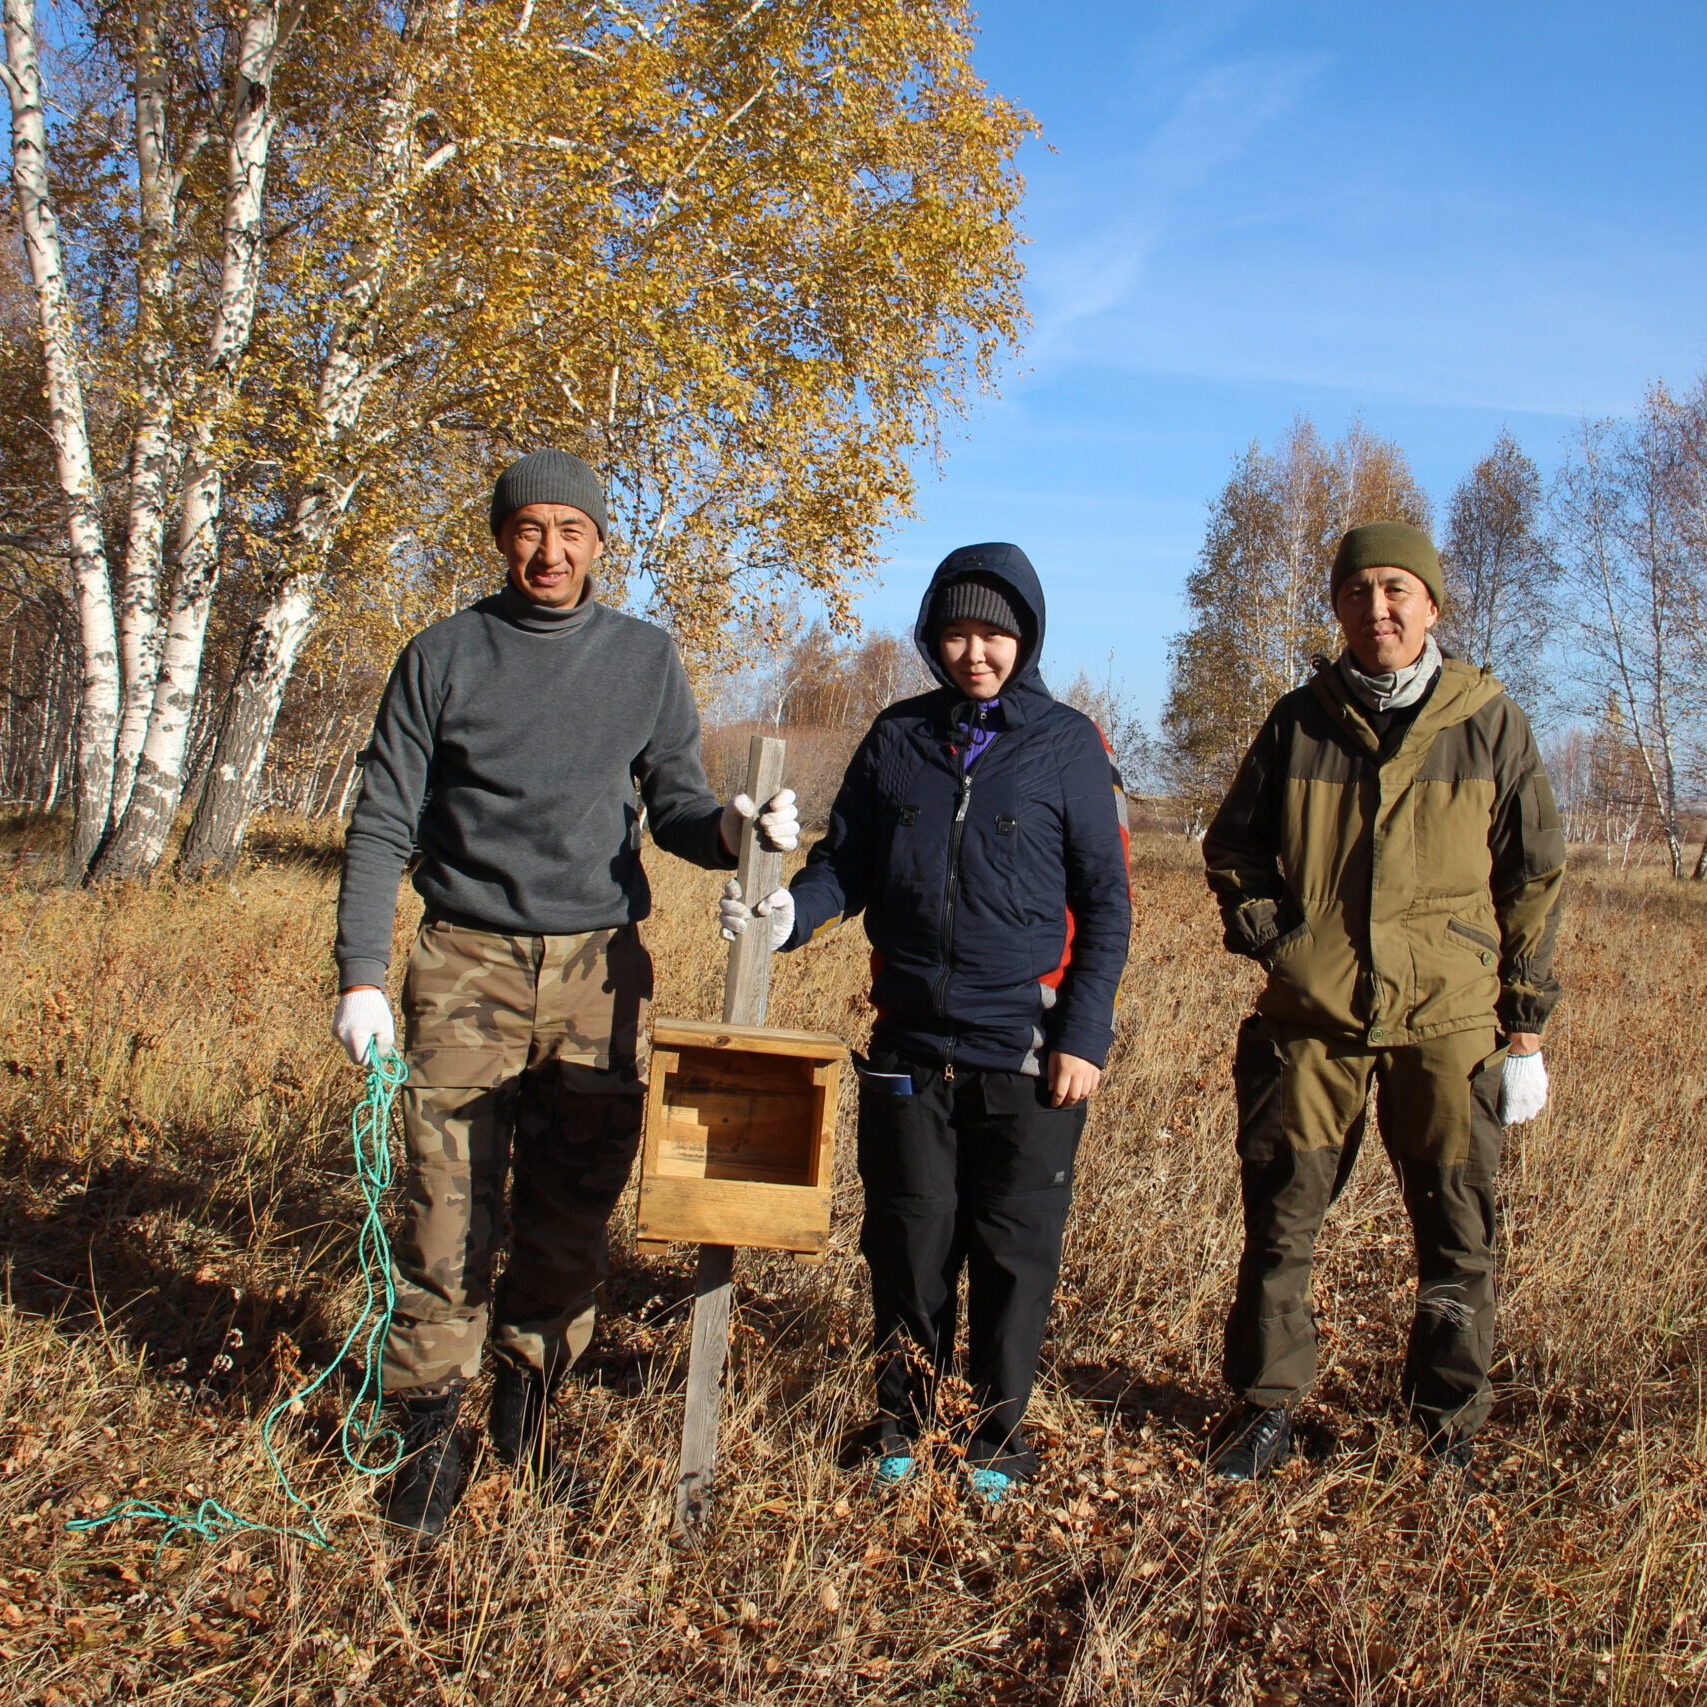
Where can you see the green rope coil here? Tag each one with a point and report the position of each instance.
(361, 1430)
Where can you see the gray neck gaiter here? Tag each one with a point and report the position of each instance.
(1393, 690)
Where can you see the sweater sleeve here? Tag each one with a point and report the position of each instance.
(1242, 849)
(1099, 894)
(681, 809)
(382, 828)
(1527, 846)
(836, 879)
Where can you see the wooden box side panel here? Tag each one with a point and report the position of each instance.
(826, 1086)
(734, 1212)
(663, 1064)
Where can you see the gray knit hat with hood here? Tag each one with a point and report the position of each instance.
(977, 598)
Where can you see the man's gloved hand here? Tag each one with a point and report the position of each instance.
(364, 1017)
(1523, 1088)
(777, 909)
(779, 822)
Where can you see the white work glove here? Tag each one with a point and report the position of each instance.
(1523, 1088)
(364, 1017)
(779, 822)
(734, 915)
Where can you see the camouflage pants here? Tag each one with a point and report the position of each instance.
(1303, 1101)
(524, 1061)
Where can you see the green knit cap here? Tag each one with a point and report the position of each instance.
(1388, 545)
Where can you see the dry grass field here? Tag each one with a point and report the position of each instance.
(177, 1237)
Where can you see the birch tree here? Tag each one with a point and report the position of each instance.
(138, 697)
(1502, 585)
(1259, 592)
(142, 823)
(344, 264)
(1630, 507)
(74, 460)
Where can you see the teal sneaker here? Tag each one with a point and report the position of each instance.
(991, 1486)
(893, 1468)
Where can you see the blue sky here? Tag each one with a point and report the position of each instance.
(1443, 218)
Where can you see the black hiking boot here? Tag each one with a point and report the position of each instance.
(516, 1426)
(1249, 1442)
(1452, 1468)
(423, 1489)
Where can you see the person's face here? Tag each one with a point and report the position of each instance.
(1385, 615)
(550, 548)
(977, 657)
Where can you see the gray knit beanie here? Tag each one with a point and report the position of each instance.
(977, 598)
(548, 477)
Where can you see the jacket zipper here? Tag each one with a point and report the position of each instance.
(951, 891)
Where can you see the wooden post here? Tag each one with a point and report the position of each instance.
(746, 989)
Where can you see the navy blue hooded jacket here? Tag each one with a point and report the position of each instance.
(996, 899)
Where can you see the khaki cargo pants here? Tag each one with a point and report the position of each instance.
(1302, 1101)
(524, 1061)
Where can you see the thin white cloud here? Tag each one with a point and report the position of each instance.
(1138, 198)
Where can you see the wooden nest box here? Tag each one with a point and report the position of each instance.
(740, 1138)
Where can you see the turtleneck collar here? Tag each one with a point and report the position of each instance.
(1392, 690)
(524, 614)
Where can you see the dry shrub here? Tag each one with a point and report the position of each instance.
(178, 1244)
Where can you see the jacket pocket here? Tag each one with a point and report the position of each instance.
(1285, 943)
(1456, 968)
(902, 864)
(1473, 937)
(1312, 979)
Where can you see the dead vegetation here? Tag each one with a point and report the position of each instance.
(178, 1224)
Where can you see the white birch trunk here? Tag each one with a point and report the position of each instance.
(351, 366)
(1625, 672)
(215, 836)
(136, 846)
(99, 701)
(154, 454)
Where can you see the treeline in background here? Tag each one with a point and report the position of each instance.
(281, 290)
(283, 286)
(1584, 594)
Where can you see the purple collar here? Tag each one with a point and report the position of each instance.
(986, 722)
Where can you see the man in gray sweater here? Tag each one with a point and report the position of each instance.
(516, 747)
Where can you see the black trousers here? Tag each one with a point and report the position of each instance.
(973, 1172)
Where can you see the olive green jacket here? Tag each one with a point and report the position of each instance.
(1400, 895)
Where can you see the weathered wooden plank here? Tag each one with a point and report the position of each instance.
(703, 1418)
(746, 989)
(746, 985)
(763, 1040)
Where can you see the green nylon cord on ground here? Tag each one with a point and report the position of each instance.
(361, 1428)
